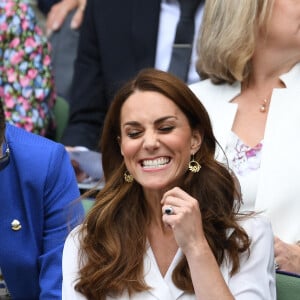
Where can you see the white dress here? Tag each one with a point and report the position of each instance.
(254, 281)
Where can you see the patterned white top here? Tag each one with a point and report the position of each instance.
(245, 162)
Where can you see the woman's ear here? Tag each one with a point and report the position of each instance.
(196, 141)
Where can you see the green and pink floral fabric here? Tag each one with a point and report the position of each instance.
(26, 82)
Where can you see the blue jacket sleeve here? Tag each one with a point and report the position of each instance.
(61, 214)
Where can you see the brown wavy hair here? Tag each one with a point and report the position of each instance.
(113, 237)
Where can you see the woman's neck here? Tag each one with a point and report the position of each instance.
(268, 65)
(153, 199)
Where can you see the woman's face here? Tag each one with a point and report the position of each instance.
(284, 26)
(156, 140)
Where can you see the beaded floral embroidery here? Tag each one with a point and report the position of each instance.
(242, 158)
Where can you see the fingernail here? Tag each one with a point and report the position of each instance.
(55, 26)
(48, 32)
(74, 24)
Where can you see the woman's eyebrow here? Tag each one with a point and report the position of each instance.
(160, 120)
(131, 123)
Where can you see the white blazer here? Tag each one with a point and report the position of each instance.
(254, 281)
(279, 182)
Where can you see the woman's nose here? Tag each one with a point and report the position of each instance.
(151, 141)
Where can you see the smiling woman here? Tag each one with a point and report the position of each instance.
(252, 96)
(155, 135)
(173, 230)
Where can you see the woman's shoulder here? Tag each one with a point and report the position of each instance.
(72, 246)
(19, 137)
(208, 84)
(74, 236)
(29, 149)
(207, 91)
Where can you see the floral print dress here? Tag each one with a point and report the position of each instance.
(26, 81)
(245, 163)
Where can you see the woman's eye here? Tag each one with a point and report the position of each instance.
(133, 134)
(166, 128)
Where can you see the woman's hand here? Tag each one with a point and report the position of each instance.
(287, 256)
(59, 12)
(185, 220)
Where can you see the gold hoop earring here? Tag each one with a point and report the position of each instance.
(194, 166)
(128, 177)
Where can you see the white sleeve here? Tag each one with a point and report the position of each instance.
(256, 278)
(70, 267)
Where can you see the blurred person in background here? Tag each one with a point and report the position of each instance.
(61, 20)
(38, 189)
(26, 80)
(249, 54)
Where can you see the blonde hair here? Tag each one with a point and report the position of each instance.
(227, 38)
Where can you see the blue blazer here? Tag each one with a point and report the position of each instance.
(37, 188)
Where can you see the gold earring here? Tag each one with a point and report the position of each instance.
(128, 177)
(194, 166)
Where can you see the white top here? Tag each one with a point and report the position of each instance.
(254, 281)
(278, 187)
